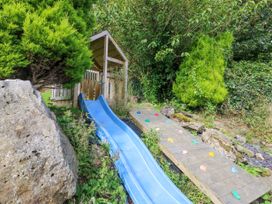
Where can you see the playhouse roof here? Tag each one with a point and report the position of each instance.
(115, 54)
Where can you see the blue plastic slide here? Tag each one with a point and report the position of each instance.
(143, 178)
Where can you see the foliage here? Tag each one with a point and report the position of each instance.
(254, 34)
(121, 109)
(256, 171)
(200, 80)
(250, 84)
(151, 140)
(258, 122)
(46, 98)
(158, 34)
(45, 41)
(267, 198)
(247, 82)
(98, 179)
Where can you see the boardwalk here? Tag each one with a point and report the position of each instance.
(218, 177)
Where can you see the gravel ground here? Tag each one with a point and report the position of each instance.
(267, 162)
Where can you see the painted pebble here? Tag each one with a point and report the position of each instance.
(203, 168)
(147, 120)
(236, 195)
(234, 169)
(170, 140)
(194, 141)
(211, 154)
(184, 152)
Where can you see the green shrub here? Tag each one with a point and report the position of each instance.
(247, 83)
(200, 80)
(98, 180)
(250, 84)
(48, 39)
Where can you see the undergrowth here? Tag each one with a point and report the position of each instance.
(98, 180)
(151, 140)
(256, 171)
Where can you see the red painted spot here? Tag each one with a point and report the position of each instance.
(156, 114)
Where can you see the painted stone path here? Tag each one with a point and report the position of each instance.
(219, 178)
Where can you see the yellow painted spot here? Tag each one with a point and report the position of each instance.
(211, 154)
(170, 140)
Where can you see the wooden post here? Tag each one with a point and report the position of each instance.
(105, 67)
(76, 94)
(126, 81)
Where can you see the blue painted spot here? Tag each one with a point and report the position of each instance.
(195, 141)
(234, 169)
(138, 112)
(168, 121)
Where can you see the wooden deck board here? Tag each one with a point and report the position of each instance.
(190, 154)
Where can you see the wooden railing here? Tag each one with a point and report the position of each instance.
(60, 93)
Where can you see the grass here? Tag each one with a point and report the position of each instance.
(151, 140)
(256, 171)
(46, 97)
(98, 179)
(259, 126)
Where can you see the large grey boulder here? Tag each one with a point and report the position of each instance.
(37, 162)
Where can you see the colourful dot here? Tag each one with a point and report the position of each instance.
(156, 114)
(167, 121)
(184, 152)
(211, 154)
(236, 195)
(138, 112)
(170, 140)
(147, 120)
(203, 168)
(234, 169)
(194, 141)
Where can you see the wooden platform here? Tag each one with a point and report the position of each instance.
(219, 178)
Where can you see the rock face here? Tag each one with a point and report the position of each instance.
(168, 111)
(37, 162)
(220, 142)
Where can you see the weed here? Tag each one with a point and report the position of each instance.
(256, 171)
(98, 180)
(46, 98)
(120, 108)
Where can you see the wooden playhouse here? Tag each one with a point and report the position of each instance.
(108, 76)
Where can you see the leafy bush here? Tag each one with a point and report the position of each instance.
(157, 34)
(98, 179)
(45, 41)
(248, 82)
(151, 139)
(200, 80)
(253, 36)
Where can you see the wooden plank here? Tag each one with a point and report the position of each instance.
(126, 81)
(105, 68)
(117, 61)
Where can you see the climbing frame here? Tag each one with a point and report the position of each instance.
(219, 178)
